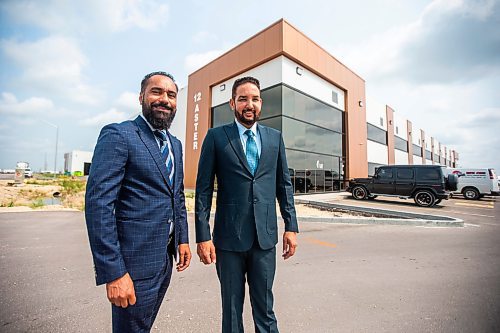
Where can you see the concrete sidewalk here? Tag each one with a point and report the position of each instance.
(362, 214)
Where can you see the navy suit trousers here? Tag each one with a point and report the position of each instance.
(233, 268)
(149, 294)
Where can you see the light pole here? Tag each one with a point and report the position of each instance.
(57, 140)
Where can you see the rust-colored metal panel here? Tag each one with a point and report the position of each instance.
(409, 138)
(422, 139)
(391, 154)
(432, 150)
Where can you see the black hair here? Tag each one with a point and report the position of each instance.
(243, 80)
(146, 78)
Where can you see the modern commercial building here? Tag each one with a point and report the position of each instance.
(331, 133)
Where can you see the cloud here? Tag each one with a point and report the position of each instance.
(204, 37)
(128, 100)
(452, 41)
(52, 65)
(103, 16)
(195, 61)
(9, 105)
(110, 116)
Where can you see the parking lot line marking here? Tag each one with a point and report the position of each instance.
(320, 242)
(481, 215)
(489, 206)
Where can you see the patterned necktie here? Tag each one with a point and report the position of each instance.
(166, 153)
(251, 151)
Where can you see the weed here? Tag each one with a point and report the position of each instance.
(37, 203)
(72, 186)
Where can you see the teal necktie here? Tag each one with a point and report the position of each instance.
(251, 151)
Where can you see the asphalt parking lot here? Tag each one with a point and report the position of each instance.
(344, 278)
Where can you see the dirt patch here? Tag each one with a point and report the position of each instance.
(38, 194)
(25, 194)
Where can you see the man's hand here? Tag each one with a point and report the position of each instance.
(121, 291)
(289, 244)
(206, 252)
(184, 257)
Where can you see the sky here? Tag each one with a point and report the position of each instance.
(71, 67)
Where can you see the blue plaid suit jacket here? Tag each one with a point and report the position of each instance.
(129, 204)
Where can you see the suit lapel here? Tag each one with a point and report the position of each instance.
(148, 138)
(264, 148)
(235, 141)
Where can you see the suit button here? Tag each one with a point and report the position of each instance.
(255, 200)
(170, 221)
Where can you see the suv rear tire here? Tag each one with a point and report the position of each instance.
(451, 182)
(359, 193)
(470, 193)
(424, 198)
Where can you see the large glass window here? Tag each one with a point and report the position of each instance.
(400, 144)
(428, 154)
(271, 102)
(274, 122)
(221, 115)
(306, 137)
(376, 134)
(299, 106)
(417, 150)
(314, 172)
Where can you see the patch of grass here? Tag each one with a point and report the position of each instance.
(189, 195)
(7, 204)
(72, 186)
(32, 194)
(37, 203)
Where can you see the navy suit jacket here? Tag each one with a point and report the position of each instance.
(246, 204)
(129, 204)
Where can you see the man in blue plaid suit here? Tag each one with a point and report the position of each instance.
(135, 207)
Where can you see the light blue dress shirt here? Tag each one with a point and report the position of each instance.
(243, 137)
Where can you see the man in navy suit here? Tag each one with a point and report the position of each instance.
(250, 165)
(135, 207)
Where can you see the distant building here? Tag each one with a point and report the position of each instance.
(77, 162)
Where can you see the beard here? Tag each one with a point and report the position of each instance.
(241, 118)
(160, 120)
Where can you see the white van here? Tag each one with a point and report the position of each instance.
(474, 184)
(28, 173)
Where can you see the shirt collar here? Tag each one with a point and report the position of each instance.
(242, 129)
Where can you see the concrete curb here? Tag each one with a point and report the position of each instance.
(383, 216)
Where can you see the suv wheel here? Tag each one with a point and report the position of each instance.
(437, 201)
(424, 198)
(470, 193)
(359, 193)
(451, 182)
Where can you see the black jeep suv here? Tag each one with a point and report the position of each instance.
(426, 184)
